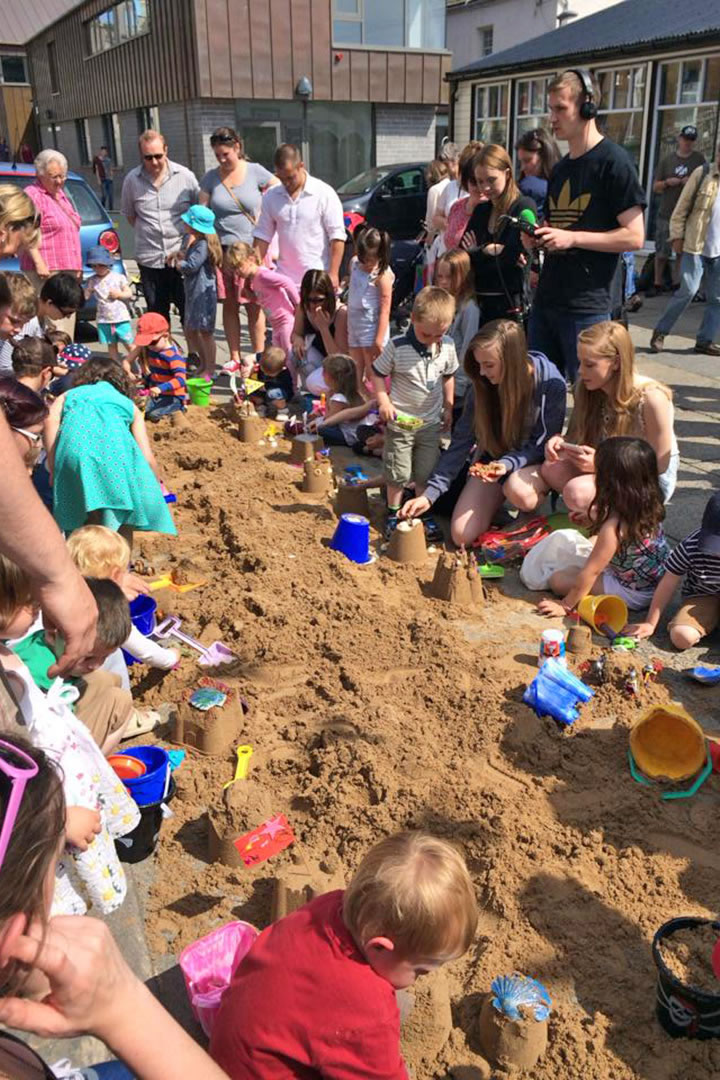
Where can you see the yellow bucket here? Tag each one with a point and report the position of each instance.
(667, 743)
(599, 610)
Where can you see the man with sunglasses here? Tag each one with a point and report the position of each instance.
(155, 195)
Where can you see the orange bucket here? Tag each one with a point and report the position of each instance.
(667, 743)
(126, 767)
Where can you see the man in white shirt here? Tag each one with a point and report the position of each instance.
(307, 217)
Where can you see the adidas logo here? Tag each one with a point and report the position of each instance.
(567, 211)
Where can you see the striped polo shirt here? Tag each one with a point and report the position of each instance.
(416, 374)
(701, 571)
(168, 370)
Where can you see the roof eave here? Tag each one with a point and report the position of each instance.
(655, 45)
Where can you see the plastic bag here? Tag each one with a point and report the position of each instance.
(208, 966)
(564, 549)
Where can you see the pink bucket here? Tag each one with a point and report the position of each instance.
(208, 965)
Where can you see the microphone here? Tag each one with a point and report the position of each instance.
(526, 222)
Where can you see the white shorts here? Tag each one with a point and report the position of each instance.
(636, 599)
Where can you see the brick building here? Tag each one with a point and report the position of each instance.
(355, 82)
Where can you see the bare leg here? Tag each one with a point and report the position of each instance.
(556, 474)
(562, 581)
(231, 326)
(256, 326)
(474, 509)
(684, 637)
(579, 492)
(114, 352)
(394, 494)
(526, 488)
(207, 350)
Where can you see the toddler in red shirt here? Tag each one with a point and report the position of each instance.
(315, 996)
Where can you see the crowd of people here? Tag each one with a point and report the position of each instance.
(466, 407)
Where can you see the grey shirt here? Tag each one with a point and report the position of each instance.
(157, 211)
(235, 223)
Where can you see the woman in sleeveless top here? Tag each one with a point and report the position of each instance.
(320, 330)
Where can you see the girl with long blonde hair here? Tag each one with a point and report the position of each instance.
(493, 242)
(515, 402)
(611, 398)
(453, 273)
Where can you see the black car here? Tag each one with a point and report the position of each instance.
(390, 197)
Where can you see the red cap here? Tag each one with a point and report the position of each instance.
(150, 326)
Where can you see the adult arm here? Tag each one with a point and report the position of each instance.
(127, 207)
(337, 249)
(92, 990)
(333, 219)
(139, 432)
(452, 460)
(549, 422)
(657, 422)
(630, 235)
(265, 229)
(30, 537)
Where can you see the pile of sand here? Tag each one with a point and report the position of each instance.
(375, 707)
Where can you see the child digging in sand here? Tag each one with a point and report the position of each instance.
(421, 364)
(315, 996)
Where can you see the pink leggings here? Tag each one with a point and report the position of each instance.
(282, 328)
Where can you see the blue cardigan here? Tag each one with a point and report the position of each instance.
(548, 405)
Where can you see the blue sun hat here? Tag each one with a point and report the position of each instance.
(200, 218)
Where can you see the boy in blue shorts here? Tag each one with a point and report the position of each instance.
(110, 289)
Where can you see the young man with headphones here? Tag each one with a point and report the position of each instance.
(594, 212)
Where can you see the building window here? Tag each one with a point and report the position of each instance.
(13, 68)
(491, 107)
(52, 68)
(531, 104)
(147, 118)
(111, 137)
(82, 134)
(118, 24)
(622, 101)
(403, 24)
(486, 40)
(688, 92)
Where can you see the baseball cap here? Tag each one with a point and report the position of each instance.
(98, 256)
(689, 131)
(150, 326)
(709, 538)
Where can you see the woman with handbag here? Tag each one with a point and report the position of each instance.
(234, 192)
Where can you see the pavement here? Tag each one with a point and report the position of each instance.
(695, 381)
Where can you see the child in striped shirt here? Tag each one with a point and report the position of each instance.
(421, 364)
(697, 560)
(165, 366)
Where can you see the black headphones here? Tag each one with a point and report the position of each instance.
(588, 109)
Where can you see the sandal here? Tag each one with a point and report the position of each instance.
(141, 722)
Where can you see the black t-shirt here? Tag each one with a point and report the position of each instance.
(498, 273)
(587, 193)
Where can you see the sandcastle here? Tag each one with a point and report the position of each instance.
(457, 580)
(304, 447)
(511, 1044)
(243, 807)
(212, 731)
(318, 476)
(250, 425)
(407, 543)
(351, 499)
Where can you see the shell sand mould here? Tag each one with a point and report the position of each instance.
(511, 1044)
(210, 732)
(457, 580)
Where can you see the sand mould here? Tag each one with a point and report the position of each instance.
(372, 711)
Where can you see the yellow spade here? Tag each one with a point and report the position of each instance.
(244, 753)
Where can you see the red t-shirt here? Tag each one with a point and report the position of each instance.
(305, 1004)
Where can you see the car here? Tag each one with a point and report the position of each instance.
(97, 227)
(390, 197)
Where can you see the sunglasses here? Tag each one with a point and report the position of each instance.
(222, 140)
(65, 312)
(154, 157)
(317, 299)
(34, 438)
(19, 767)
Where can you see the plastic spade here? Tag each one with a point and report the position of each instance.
(244, 753)
(704, 674)
(170, 627)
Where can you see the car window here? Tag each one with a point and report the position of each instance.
(80, 195)
(364, 181)
(408, 182)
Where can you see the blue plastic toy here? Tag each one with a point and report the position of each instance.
(515, 992)
(704, 674)
(352, 538)
(207, 697)
(556, 692)
(355, 474)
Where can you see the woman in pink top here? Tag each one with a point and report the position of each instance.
(59, 247)
(275, 293)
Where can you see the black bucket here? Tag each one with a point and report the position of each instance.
(142, 841)
(684, 1011)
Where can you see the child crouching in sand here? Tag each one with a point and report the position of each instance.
(626, 517)
(331, 968)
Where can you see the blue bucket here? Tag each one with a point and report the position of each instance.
(142, 613)
(150, 787)
(352, 538)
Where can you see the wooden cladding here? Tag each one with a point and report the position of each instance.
(262, 48)
(153, 69)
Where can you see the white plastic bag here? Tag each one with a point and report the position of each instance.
(564, 549)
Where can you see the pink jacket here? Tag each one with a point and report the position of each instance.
(275, 292)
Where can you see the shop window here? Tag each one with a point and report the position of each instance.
(491, 113)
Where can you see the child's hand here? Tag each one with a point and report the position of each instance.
(154, 391)
(375, 350)
(639, 630)
(386, 410)
(551, 608)
(414, 507)
(81, 826)
(489, 472)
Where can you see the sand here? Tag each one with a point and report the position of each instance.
(375, 707)
(688, 954)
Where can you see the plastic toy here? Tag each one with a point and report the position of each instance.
(631, 686)
(708, 676)
(268, 839)
(552, 643)
(176, 758)
(406, 422)
(170, 627)
(354, 474)
(126, 767)
(207, 697)
(166, 582)
(513, 993)
(352, 538)
(604, 609)
(651, 671)
(491, 570)
(208, 965)
(684, 1010)
(556, 692)
(500, 546)
(168, 496)
(244, 753)
(217, 654)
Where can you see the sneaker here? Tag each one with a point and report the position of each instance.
(142, 722)
(707, 347)
(654, 290)
(656, 342)
(232, 367)
(390, 525)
